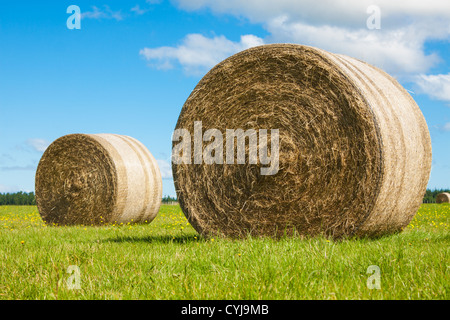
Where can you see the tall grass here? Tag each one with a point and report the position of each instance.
(167, 259)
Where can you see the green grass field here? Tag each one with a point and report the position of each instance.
(166, 259)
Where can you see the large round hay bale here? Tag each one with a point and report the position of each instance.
(443, 197)
(97, 178)
(354, 148)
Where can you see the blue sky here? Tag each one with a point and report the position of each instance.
(132, 65)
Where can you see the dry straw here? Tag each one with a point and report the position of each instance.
(443, 197)
(96, 179)
(355, 151)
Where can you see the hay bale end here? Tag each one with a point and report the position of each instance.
(92, 179)
(443, 197)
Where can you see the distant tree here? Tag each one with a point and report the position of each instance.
(167, 199)
(18, 198)
(29, 198)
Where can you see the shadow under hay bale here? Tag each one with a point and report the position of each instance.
(96, 179)
(354, 148)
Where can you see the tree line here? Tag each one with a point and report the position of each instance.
(28, 198)
(18, 198)
(169, 199)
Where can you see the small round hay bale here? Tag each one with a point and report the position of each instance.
(443, 197)
(354, 148)
(93, 179)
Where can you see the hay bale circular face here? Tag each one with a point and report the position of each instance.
(96, 179)
(443, 197)
(353, 147)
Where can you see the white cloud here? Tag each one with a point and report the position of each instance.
(165, 168)
(105, 13)
(340, 27)
(137, 9)
(197, 53)
(6, 158)
(446, 127)
(10, 189)
(332, 12)
(38, 145)
(29, 167)
(398, 51)
(436, 86)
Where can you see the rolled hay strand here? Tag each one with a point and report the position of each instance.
(443, 197)
(93, 179)
(354, 148)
